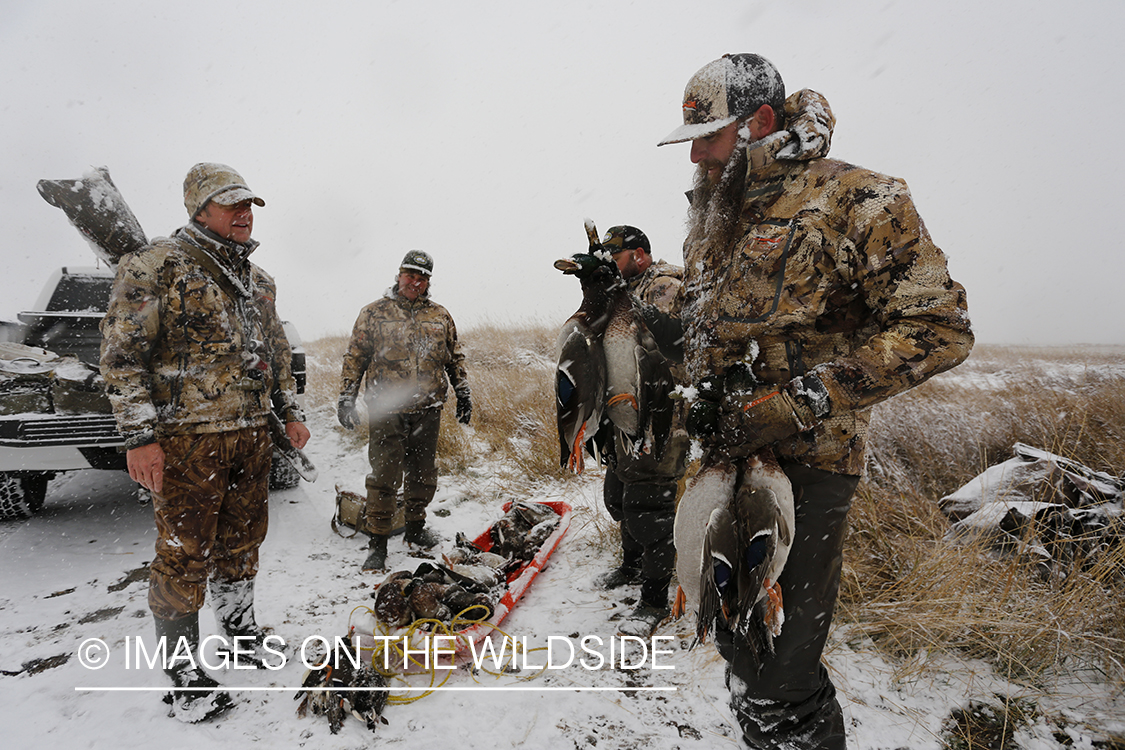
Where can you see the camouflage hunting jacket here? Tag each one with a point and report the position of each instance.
(184, 352)
(659, 286)
(834, 273)
(406, 353)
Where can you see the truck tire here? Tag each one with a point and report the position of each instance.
(21, 496)
(282, 474)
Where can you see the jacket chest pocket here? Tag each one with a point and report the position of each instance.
(430, 344)
(755, 280)
(202, 319)
(393, 341)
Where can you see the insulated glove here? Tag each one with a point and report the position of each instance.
(752, 419)
(346, 413)
(464, 408)
(702, 420)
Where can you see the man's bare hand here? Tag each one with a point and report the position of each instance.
(297, 433)
(146, 466)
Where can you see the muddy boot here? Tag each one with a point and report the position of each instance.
(245, 641)
(377, 555)
(194, 697)
(418, 535)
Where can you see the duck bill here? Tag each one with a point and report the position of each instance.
(567, 265)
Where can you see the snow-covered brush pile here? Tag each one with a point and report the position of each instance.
(914, 593)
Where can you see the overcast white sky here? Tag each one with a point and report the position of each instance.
(486, 132)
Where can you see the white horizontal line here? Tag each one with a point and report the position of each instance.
(231, 688)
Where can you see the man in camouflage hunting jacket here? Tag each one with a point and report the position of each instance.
(640, 491)
(820, 279)
(404, 348)
(194, 356)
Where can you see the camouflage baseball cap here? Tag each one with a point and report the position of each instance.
(208, 181)
(416, 260)
(625, 237)
(726, 90)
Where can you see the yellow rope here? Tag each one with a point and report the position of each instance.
(454, 628)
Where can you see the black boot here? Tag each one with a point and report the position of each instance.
(629, 571)
(377, 557)
(233, 604)
(417, 534)
(195, 697)
(650, 611)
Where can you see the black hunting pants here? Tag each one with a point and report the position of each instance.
(402, 450)
(640, 493)
(211, 516)
(791, 702)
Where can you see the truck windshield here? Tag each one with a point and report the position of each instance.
(81, 293)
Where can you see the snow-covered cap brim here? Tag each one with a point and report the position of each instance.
(419, 269)
(697, 130)
(230, 196)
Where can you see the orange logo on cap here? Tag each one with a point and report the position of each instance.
(689, 104)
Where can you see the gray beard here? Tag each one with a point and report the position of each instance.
(715, 216)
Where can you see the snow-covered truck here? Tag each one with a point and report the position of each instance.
(54, 414)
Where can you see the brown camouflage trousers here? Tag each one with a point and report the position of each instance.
(402, 449)
(211, 516)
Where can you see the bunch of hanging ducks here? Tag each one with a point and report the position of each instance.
(610, 373)
(338, 689)
(733, 531)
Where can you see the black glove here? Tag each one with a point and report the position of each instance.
(464, 408)
(703, 415)
(346, 413)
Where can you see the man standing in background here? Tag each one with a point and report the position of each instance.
(404, 349)
(640, 490)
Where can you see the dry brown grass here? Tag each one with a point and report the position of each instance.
(905, 588)
(913, 593)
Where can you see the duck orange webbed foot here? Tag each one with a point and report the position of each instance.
(775, 612)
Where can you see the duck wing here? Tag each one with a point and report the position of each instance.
(656, 386)
(717, 581)
(579, 391)
(766, 475)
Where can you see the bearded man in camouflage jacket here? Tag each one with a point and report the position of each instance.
(194, 357)
(404, 349)
(820, 278)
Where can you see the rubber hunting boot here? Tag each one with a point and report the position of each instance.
(377, 553)
(417, 534)
(194, 697)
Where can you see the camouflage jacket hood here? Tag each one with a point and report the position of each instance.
(833, 272)
(406, 353)
(177, 341)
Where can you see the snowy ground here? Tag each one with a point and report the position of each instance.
(70, 575)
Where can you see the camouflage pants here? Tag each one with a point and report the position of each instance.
(211, 517)
(402, 450)
(791, 701)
